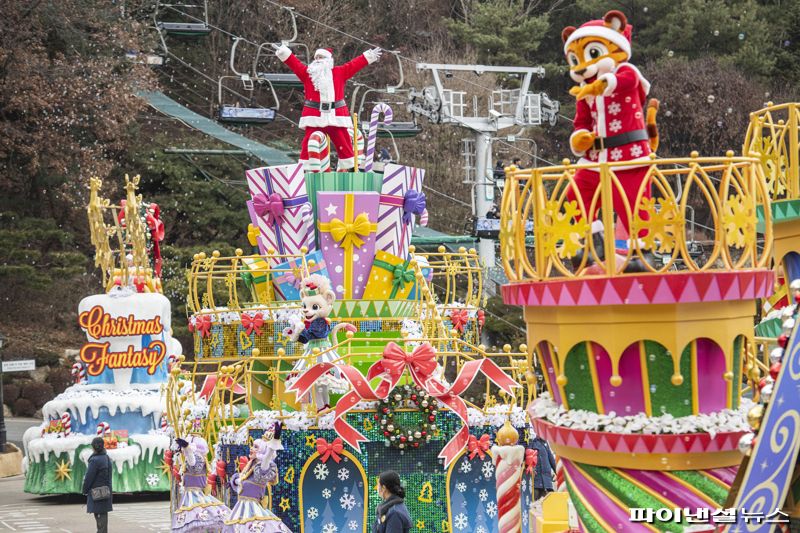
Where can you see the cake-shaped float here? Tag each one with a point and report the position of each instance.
(365, 349)
(120, 371)
(643, 345)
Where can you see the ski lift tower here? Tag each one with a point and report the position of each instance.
(506, 108)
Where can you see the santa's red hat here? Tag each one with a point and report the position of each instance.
(326, 52)
(601, 28)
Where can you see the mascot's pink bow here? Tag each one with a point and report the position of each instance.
(270, 207)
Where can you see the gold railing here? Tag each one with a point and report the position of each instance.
(772, 137)
(756, 364)
(727, 188)
(452, 353)
(457, 276)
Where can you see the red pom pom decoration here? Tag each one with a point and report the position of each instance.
(774, 370)
(783, 340)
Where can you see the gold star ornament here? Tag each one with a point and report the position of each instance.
(284, 505)
(63, 471)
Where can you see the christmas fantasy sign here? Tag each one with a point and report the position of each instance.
(128, 336)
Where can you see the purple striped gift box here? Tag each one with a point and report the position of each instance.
(401, 194)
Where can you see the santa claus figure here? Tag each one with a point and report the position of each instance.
(611, 122)
(324, 108)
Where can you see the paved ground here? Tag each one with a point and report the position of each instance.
(44, 514)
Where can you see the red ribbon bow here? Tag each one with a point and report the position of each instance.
(330, 450)
(202, 324)
(531, 458)
(421, 364)
(270, 207)
(252, 323)
(477, 446)
(458, 317)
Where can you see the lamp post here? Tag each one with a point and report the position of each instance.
(2, 410)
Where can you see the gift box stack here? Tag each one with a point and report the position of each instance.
(352, 227)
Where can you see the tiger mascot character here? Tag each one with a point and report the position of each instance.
(611, 122)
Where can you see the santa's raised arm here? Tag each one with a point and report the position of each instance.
(325, 108)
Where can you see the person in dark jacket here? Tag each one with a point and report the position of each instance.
(393, 514)
(98, 474)
(545, 467)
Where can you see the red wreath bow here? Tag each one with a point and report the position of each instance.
(458, 317)
(252, 323)
(330, 450)
(477, 446)
(531, 458)
(270, 207)
(422, 362)
(202, 324)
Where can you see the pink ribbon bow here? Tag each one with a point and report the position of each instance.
(421, 364)
(202, 324)
(270, 207)
(330, 450)
(479, 447)
(252, 323)
(458, 317)
(531, 458)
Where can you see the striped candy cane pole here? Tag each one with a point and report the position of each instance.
(509, 460)
(103, 429)
(78, 373)
(561, 484)
(359, 146)
(379, 108)
(319, 153)
(164, 423)
(66, 424)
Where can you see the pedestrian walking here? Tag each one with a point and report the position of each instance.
(97, 485)
(392, 513)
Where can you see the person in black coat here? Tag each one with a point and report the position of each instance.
(98, 474)
(392, 514)
(545, 467)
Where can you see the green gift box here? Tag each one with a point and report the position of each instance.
(341, 182)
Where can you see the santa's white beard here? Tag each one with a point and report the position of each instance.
(321, 72)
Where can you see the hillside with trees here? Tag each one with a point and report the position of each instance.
(69, 111)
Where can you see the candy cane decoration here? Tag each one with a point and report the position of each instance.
(164, 423)
(103, 429)
(379, 108)
(79, 373)
(66, 424)
(360, 145)
(508, 463)
(319, 153)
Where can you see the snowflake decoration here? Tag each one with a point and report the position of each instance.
(614, 108)
(739, 220)
(461, 487)
(330, 527)
(636, 150)
(524, 485)
(152, 480)
(563, 227)
(661, 217)
(256, 527)
(460, 521)
(321, 471)
(491, 509)
(313, 513)
(343, 474)
(483, 495)
(348, 501)
(487, 469)
(774, 163)
(481, 529)
(616, 154)
(465, 468)
(615, 125)
(326, 493)
(352, 525)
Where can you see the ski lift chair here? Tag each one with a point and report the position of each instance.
(280, 78)
(250, 113)
(183, 24)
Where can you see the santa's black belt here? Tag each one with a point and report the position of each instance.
(327, 106)
(628, 137)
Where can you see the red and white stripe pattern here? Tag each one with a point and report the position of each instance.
(393, 235)
(294, 231)
(508, 464)
(79, 373)
(103, 429)
(359, 145)
(372, 136)
(319, 153)
(66, 424)
(164, 423)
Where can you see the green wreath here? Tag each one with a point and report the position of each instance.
(398, 436)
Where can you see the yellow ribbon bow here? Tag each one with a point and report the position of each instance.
(252, 234)
(348, 234)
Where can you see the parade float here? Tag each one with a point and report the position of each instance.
(121, 370)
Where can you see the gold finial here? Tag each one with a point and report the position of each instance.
(256, 352)
(677, 380)
(412, 249)
(507, 435)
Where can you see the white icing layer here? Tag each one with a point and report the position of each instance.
(78, 399)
